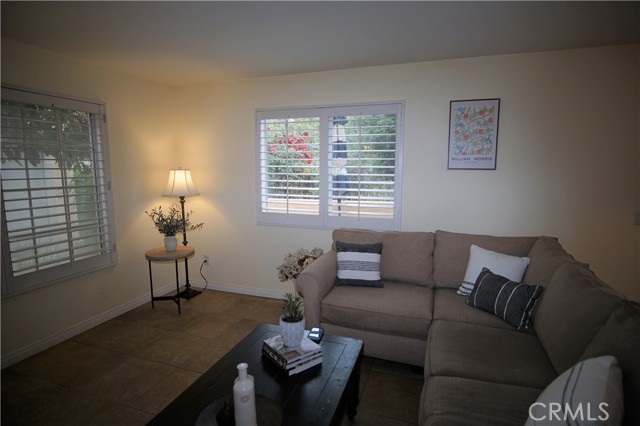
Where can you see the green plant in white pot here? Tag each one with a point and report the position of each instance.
(171, 223)
(292, 320)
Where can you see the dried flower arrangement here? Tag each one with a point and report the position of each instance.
(295, 263)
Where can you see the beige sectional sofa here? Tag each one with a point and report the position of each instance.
(478, 369)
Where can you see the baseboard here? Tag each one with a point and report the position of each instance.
(39, 346)
(229, 288)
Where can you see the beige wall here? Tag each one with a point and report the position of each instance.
(142, 146)
(567, 156)
(568, 161)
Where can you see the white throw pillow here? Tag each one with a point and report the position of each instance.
(588, 394)
(511, 267)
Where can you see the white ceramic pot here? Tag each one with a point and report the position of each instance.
(291, 332)
(171, 243)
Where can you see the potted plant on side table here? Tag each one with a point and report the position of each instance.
(170, 223)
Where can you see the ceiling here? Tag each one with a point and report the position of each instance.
(184, 43)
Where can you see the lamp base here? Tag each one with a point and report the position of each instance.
(188, 293)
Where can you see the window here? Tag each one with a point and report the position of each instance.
(57, 219)
(330, 167)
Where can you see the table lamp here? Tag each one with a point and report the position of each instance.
(180, 184)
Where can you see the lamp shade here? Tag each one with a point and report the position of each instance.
(180, 184)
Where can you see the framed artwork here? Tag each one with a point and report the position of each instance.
(473, 134)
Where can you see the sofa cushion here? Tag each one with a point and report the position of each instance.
(620, 337)
(451, 254)
(405, 350)
(358, 264)
(574, 306)
(580, 391)
(487, 353)
(510, 300)
(449, 306)
(458, 401)
(356, 236)
(409, 257)
(406, 256)
(398, 308)
(512, 267)
(546, 255)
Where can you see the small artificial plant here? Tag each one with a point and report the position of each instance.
(170, 223)
(225, 415)
(292, 306)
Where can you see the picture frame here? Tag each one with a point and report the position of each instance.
(473, 134)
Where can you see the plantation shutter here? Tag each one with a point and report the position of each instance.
(56, 193)
(363, 166)
(289, 166)
(330, 167)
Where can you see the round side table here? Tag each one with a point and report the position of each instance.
(159, 254)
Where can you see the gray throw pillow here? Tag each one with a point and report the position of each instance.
(512, 301)
(359, 264)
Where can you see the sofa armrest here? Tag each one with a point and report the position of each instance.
(314, 283)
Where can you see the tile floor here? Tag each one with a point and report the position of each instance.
(126, 370)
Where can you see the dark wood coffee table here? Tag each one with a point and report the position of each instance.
(318, 396)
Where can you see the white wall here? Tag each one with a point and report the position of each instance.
(142, 147)
(568, 166)
(567, 156)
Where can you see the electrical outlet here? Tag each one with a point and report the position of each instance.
(205, 259)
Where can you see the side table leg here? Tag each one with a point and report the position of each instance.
(151, 284)
(188, 292)
(187, 285)
(178, 288)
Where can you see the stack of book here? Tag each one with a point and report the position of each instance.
(293, 360)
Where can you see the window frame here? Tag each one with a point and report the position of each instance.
(323, 220)
(15, 285)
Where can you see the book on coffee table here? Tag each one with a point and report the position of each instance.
(305, 365)
(294, 360)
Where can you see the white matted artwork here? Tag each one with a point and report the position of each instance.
(473, 134)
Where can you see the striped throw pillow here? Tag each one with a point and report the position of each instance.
(510, 300)
(589, 393)
(359, 264)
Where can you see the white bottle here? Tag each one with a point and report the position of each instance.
(244, 398)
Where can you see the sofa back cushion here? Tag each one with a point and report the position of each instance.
(546, 256)
(574, 305)
(406, 256)
(620, 337)
(451, 254)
